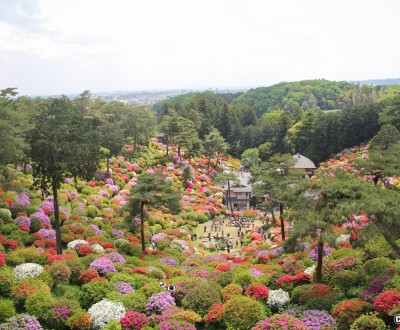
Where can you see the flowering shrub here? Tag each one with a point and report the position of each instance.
(158, 302)
(60, 273)
(231, 290)
(215, 314)
(27, 270)
(257, 291)
(123, 287)
(277, 299)
(201, 298)
(116, 257)
(72, 245)
(314, 319)
(375, 287)
(280, 322)
(22, 322)
(134, 321)
(169, 261)
(368, 321)
(241, 313)
(87, 275)
(97, 248)
(305, 293)
(346, 311)
(386, 301)
(104, 311)
(80, 320)
(313, 255)
(2, 259)
(103, 265)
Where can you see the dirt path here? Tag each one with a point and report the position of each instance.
(233, 233)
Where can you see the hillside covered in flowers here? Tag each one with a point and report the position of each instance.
(104, 280)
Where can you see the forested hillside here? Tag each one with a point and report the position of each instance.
(317, 118)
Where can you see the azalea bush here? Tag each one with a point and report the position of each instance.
(346, 311)
(201, 298)
(104, 311)
(133, 321)
(242, 313)
(368, 321)
(280, 322)
(158, 302)
(278, 299)
(27, 270)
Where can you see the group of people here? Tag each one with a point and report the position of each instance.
(170, 288)
(241, 222)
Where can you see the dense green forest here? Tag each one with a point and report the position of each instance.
(317, 118)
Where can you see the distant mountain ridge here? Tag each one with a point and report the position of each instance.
(377, 82)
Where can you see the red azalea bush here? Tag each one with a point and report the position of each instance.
(80, 321)
(315, 296)
(231, 290)
(257, 291)
(303, 278)
(286, 282)
(387, 301)
(224, 267)
(134, 321)
(215, 314)
(347, 311)
(2, 259)
(88, 275)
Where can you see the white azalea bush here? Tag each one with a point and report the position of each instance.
(278, 299)
(73, 244)
(310, 270)
(105, 311)
(27, 270)
(97, 248)
(344, 238)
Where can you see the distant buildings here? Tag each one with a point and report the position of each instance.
(241, 197)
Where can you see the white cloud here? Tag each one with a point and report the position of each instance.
(131, 44)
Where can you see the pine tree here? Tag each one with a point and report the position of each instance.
(152, 191)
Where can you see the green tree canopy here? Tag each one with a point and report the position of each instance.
(63, 143)
(151, 191)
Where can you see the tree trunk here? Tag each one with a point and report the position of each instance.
(229, 195)
(142, 225)
(319, 262)
(57, 218)
(282, 221)
(108, 168)
(166, 143)
(273, 216)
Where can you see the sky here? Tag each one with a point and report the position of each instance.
(52, 47)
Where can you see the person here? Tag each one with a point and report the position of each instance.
(241, 243)
(209, 235)
(205, 228)
(163, 285)
(222, 233)
(171, 289)
(229, 248)
(237, 243)
(194, 237)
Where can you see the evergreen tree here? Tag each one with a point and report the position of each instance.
(151, 191)
(63, 144)
(273, 178)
